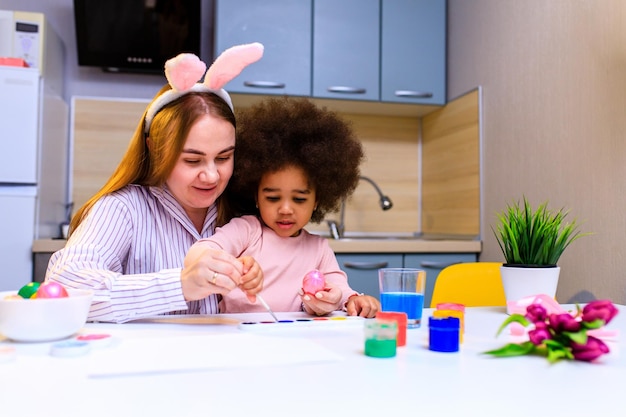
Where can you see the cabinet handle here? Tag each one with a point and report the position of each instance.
(365, 265)
(436, 265)
(413, 94)
(263, 84)
(346, 90)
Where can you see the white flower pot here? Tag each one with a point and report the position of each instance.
(521, 282)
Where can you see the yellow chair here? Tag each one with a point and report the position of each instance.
(474, 284)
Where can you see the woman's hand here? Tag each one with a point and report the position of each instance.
(209, 271)
(252, 279)
(323, 302)
(362, 305)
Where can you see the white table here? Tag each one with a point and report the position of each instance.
(417, 382)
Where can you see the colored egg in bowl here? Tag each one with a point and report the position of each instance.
(42, 319)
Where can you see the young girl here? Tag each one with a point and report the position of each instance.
(294, 163)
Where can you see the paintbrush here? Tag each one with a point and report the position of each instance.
(267, 307)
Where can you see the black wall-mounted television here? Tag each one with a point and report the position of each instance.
(140, 35)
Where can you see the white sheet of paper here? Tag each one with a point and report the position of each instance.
(204, 352)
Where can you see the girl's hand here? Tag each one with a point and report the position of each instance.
(209, 271)
(362, 305)
(252, 279)
(324, 302)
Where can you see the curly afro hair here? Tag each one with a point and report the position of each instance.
(281, 132)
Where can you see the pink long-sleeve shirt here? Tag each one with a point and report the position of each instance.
(284, 260)
(130, 250)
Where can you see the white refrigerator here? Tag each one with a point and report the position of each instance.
(34, 141)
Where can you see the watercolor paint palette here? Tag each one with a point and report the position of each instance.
(339, 322)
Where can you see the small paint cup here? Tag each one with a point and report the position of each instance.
(380, 338)
(401, 319)
(7, 354)
(453, 313)
(96, 340)
(69, 348)
(451, 306)
(444, 334)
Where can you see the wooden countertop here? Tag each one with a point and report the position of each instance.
(48, 245)
(347, 246)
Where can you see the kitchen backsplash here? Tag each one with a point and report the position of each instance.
(103, 127)
(447, 140)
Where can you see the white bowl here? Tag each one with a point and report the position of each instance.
(43, 320)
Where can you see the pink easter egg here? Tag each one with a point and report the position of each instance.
(313, 282)
(51, 290)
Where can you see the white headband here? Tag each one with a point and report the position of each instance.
(185, 70)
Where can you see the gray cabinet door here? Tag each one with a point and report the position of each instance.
(413, 64)
(346, 49)
(362, 269)
(284, 27)
(433, 263)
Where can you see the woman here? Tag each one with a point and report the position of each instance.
(128, 242)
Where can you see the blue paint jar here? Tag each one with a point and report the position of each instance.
(444, 334)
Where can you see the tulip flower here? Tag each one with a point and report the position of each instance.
(564, 323)
(536, 312)
(539, 334)
(599, 309)
(561, 335)
(591, 350)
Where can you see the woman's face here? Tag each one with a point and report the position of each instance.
(204, 167)
(286, 201)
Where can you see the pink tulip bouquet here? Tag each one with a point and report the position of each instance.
(560, 335)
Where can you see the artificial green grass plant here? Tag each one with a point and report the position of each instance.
(534, 237)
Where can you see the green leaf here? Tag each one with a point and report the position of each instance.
(513, 318)
(512, 349)
(534, 237)
(579, 337)
(578, 310)
(552, 344)
(596, 324)
(556, 354)
(556, 351)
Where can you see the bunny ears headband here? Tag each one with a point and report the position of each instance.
(184, 71)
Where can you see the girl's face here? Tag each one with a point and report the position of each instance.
(286, 201)
(204, 167)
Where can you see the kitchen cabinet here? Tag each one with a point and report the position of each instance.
(284, 27)
(43, 249)
(40, 265)
(413, 51)
(346, 49)
(362, 269)
(391, 51)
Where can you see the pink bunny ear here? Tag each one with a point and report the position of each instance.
(183, 71)
(230, 63)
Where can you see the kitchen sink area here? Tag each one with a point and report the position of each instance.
(403, 242)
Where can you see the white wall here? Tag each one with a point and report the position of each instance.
(554, 94)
